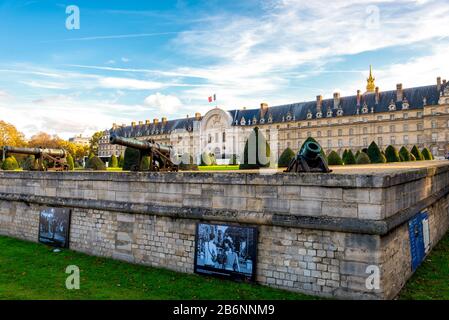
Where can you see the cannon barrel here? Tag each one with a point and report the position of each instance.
(138, 144)
(311, 150)
(35, 151)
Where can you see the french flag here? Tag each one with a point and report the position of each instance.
(212, 98)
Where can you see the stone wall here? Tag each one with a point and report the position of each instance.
(318, 233)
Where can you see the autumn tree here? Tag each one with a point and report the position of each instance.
(94, 142)
(10, 136)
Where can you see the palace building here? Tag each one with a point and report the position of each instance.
(401, 117)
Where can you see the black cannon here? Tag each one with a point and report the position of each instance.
(309, 159)
(47, 159)
(159, 154)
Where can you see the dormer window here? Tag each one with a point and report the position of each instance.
(309, 115)
(254, 120)
(405, 104)
(424, 101)
(365, 108)
(270, 118)
(329, 113)
(392, 106)
(319, 115)
(339, 112)
(243, 121)
(262, 121)
(289, 117)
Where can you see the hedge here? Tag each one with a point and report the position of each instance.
(392, 154)
(95, 163)
(349, 158)
(374, 154)
(285, 158)
(362, 158)
(334, 159)
(121, 161)
(418, 155)
(257, 139)
(10, 163)
(404, 154)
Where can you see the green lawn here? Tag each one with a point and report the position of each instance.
(431, 280)
(33, 271)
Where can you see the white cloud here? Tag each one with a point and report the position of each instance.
(163, 103)
(124, 59)
(128, 83)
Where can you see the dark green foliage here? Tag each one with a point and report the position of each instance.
(29, 163)
(349, 158)
(343, 156)
(362, 158)
(10, 163)
(391, 154)
(113, 162)
(253, 161)
(187, 163)
(374, 154)
(121, 161)
(70, 161)
(418, 155)
(285, 158)
(131, 158)
(95, 163)
(334, 159)
(404, 154)
(412, 157)
(365, 150)
(357, 154)
(427, 154)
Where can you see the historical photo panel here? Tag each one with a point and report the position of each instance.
(54, 227)
(226, 251)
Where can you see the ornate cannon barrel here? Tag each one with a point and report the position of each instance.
(138, 144)
(35, 151)
(311, 150)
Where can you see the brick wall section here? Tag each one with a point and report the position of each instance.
(312, 260)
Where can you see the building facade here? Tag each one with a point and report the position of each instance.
(79, 139)
(402, 117)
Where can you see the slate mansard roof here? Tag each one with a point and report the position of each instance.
(413, 98)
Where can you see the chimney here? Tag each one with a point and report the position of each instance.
(359, 98)
(377, 95)
(140, 123)
(114, 126)
(319, 103)
(336, 100)
(147, 122)
(164, 120)
(155, 120)
(197, 116)
(444, 82)
(399, 92)
(133, 124)
(439, 83)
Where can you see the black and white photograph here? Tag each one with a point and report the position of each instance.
(224, 250)
(54, 225)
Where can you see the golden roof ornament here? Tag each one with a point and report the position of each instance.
(371, 86)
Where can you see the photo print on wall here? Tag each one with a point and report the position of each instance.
(54, 227)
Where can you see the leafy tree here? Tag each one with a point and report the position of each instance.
(131, 158)
(427, 154)
(285, 158)
(121, 160)
(10, 163)
(391, 154)
(95, 163)
(362, 158)
(70, 162)
(10, 136)
(418, 155)
(44, 140)
(94, 142)
(113, 161)
(253, 160)
(404, 154)
(374, 154)
(334, 159)
(349, 158)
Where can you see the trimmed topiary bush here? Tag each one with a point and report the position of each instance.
(131, 158)
(95, 163)
(404, 154)
(10, 163)
(113, 162)
(70, 162)
(357, 154)
(427, 154)
(391, 154)
(349, 158)
(285, 158)
(145, 164)
(418, 155)
(362, 158)
(334, 159)
(254, 159)
(374, 154)
(412, 157)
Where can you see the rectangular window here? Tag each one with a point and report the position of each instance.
(379, 141)
(419, 127)
(379, 129)
(406, 115)
(434, 137)
(340, 132)
(405, 138)
(392, 129)
(419, 114)
(393, 140)
(405, 127)
(379, 118)
(329, 144)
(391, 116)
(365, 130)
(434, 124)
(365, 142)
(340, 143)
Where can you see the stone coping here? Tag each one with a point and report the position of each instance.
(346, 180)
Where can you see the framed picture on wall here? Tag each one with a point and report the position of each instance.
(54, 227)
(226, 251)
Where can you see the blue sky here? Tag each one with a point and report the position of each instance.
(138, 60)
